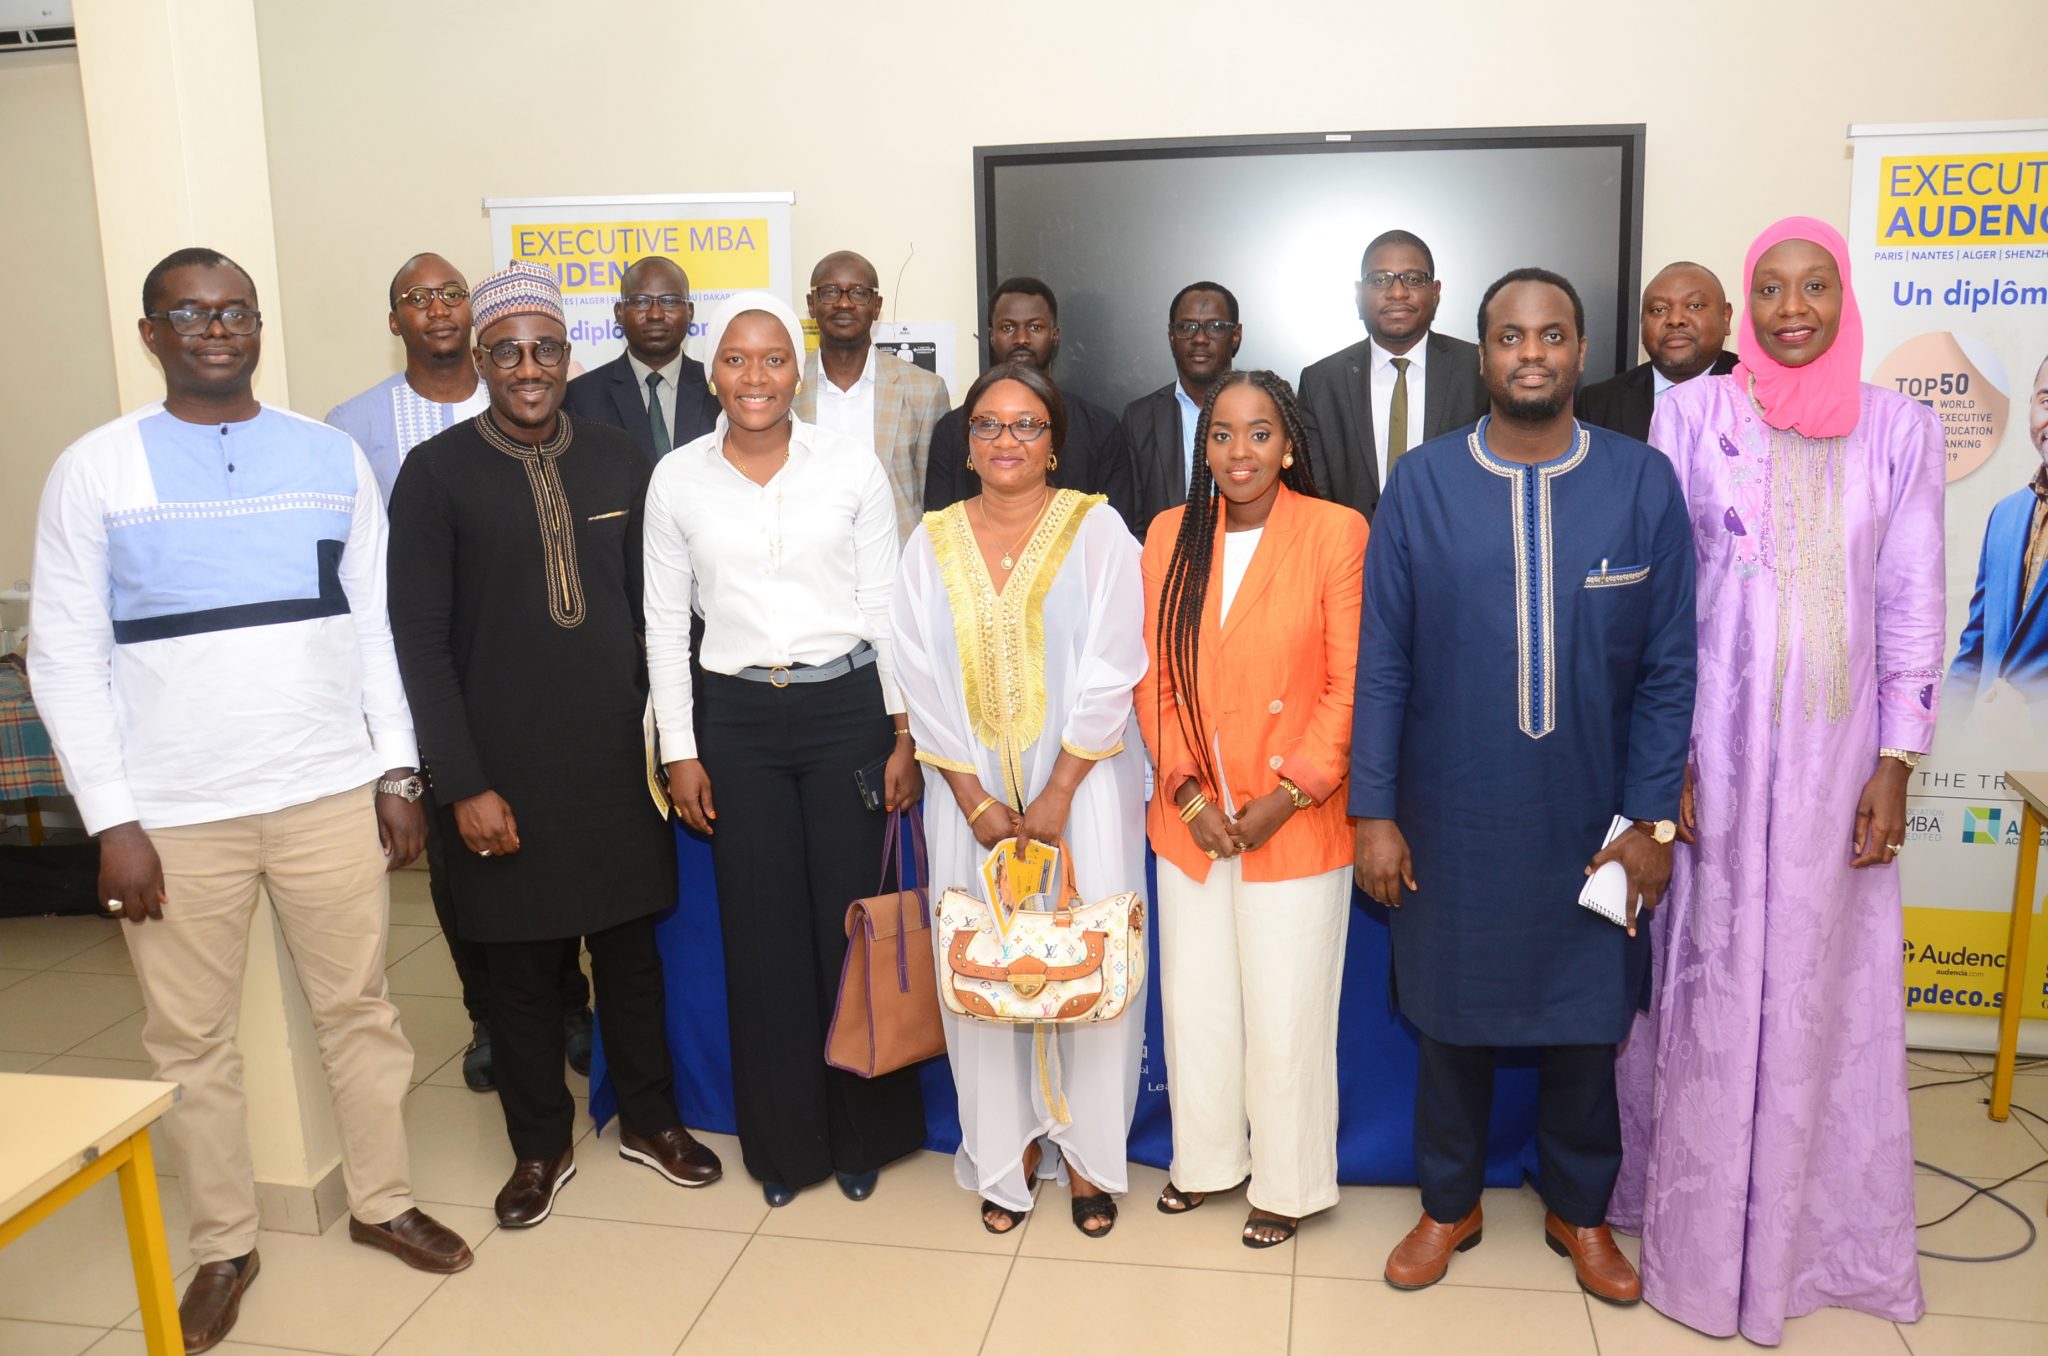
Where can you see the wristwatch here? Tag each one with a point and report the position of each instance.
(1906, 756)
(1662, 830)
(409, 790)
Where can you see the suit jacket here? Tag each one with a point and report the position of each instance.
(2006, 636)
(909, 402)
(1158, 459)
(1336, 403)
(1095, 460)
(1625, 403)
(611, 394)
(1277, 678)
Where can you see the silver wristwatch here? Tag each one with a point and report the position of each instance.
(409, 790)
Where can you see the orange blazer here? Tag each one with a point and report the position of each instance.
(1276, 683)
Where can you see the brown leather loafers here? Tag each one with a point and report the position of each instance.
(528, 1196)
(213, 1302)
(674, 1153)
(1604, 1272)
(1421, 1259)
(416, 1239)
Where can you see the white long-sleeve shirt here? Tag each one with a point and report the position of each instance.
(797, 571)
(208, 637)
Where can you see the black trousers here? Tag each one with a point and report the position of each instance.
(526, 1035)
(1578, 1129)
(794, 846)
(471, 965)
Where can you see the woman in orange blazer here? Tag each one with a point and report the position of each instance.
(1252, 594)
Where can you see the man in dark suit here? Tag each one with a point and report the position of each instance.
(1203, 332)
(1024, 327)
(653, 390)
(1352, 398)
(1685, 323)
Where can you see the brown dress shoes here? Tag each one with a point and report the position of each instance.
(416, 1239)
(213, 1302)
(1422, 1258)
(673, 1153)
(528, 1196)
(1604, 1272)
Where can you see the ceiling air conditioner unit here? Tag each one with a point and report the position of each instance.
(32, 25)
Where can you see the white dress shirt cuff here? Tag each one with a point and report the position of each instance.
(676, 745)
(102, 807)
(395, 748)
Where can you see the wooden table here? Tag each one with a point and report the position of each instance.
(61, 1135)
(2033, 789)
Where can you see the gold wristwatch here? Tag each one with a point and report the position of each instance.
(1662, 830)
(1302, 800)
(1906, 756)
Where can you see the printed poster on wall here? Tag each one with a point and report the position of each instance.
(1949, 229)
(725, 243)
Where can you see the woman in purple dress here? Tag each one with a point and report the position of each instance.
(1769, 1156)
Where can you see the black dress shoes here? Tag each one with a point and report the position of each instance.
(213, 1302)
(528, 1196)
(857, 1186)
(673, 1153)
(417, 1239)
(776, 1194)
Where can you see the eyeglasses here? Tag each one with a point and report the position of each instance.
(419, 298)
(1188, 329)
(191, 320)
(1023, 430)
(640, 303)
(506, 353)
(1380, 279)
(859, 294)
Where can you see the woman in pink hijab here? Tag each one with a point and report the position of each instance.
(1769, 1158)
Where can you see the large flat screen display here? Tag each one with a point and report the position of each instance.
(1118, 227)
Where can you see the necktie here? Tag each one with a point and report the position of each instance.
(1397, 414)
(654, 419)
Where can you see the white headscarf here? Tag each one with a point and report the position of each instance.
(738, 304)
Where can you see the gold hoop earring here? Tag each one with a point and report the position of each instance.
(1052, 461)
(970, 461)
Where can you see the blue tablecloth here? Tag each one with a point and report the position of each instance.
(1375, 1053)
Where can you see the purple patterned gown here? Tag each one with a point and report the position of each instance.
(1768, 1152)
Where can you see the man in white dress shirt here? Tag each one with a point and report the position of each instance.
(214, 663)
(1397, 388)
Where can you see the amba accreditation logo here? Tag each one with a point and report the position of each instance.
(1980, 824)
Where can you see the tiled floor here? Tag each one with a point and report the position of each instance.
(629, 1265)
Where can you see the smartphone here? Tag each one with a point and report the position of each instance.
(870, 781)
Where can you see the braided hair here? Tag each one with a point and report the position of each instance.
(1186, 589)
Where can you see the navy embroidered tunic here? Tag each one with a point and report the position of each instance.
(1525, 673)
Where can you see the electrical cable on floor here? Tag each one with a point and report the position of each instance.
(1988, 1192)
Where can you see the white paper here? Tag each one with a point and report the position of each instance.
(1606, 891)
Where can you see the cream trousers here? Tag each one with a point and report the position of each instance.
(323, 866)
(1249, 980)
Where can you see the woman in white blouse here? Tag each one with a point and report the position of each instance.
(1019, 620)
(787, 534)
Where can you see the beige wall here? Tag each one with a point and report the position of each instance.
(56, 355)
(389, 120)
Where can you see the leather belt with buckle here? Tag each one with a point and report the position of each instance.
(782, 675)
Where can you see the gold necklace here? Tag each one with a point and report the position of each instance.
(1008, 562)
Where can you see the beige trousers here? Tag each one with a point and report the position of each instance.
(323, 866)
(1249, 975)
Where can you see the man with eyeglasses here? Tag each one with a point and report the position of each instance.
(1024, 327)
(1395, 389)
(653, 390)
(515, 605)
(885, 404)
(437, 390)
(213, 661)
(1203, 334)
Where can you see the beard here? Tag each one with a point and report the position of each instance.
(1536, 409)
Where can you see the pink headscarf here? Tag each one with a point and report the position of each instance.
(1823, 398)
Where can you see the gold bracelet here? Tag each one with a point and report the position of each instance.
(1302, 800)
(980, 810)
(902, 730)
(1194, 807)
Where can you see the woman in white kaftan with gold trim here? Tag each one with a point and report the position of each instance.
(1018, 619)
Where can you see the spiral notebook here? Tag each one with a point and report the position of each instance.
(1606, 891)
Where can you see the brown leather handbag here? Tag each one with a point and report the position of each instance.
(887, 1017)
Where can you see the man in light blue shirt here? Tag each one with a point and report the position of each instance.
(1203, 332)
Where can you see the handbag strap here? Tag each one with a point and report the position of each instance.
(892, 851)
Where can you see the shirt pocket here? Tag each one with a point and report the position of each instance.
(1616, 576)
